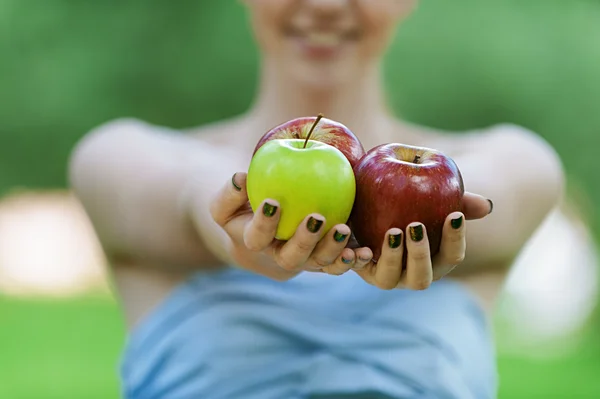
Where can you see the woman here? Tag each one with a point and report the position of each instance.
(217, 309)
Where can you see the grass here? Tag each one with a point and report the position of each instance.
(70, 349)
(59, 349)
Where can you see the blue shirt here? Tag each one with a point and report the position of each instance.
(231, 334)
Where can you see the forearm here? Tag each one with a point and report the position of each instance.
(130, 181)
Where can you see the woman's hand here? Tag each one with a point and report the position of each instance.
(421, 269)
(254, 246)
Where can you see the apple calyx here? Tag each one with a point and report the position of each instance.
(417, 159)
(319, 117)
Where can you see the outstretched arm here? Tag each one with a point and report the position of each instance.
(131, 176)
(523, 176)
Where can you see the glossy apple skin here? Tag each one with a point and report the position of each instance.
(392, 191)
(317, 179)
(327, 131)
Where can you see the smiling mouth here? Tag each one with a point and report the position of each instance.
(323, 39)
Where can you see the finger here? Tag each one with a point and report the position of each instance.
(330, 246)
(419, 272)
(475, 206)
(261, 230)
(389, 264)
(363, 256)
(342, 264)
(231, 197)
(452, 247)
(293, 254)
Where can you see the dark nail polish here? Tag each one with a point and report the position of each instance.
(416, 232)
(491, 206)
(235, 185)
(394, 240)
(346, 261)
(456, 223)
(339, 237)
(269, 210)
(313, 225)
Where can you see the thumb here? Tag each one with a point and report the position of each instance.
(475, 206)
(230, 198)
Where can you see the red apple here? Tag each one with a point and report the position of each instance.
(326, 131)
(399, 184)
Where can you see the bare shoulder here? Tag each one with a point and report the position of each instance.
(496, 137)
(509, 143)
(218, 132)
(506, 135)
(128, 128)
(533, 158)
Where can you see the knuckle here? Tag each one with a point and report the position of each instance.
(420, 285)
(385, 284)
(420, 255)
(262, 226)
(320, 262)
(287, 264)
(305, 245)
(455, 237)
(253, 245)
(253, 242)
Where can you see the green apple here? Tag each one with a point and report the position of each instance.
(304, 176)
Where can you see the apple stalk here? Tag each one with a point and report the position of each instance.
(319, 117)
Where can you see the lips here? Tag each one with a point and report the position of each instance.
(323, 37)
(322, 44)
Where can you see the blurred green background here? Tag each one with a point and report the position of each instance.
(68, 66)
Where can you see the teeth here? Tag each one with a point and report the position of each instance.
(324, 39)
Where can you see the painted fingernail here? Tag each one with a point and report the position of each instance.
(416, 232)
(346, 261)
(339, 237)
(235, 185)
(269, 210)
(491, 206)
(313, 225)
(394, 240)
(456, 223)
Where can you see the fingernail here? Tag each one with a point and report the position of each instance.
(416, 232)
(366, 260)
(235, 185)
(269, 210)
(394, 240)
(456, 223)
(491, 206)
(339, 237)
(346, 261)
(313, 225)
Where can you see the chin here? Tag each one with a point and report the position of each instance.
(321, 77)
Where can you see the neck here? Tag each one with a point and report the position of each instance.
(360, 105)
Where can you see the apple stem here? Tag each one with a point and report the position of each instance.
(417, 159)
(319, 117)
